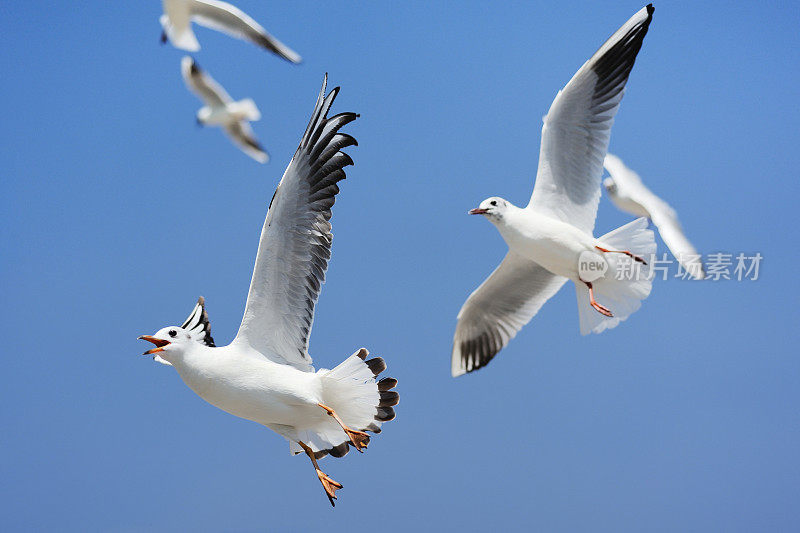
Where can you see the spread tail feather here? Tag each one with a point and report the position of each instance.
(363, 403)
(248, 109)
(626, 282)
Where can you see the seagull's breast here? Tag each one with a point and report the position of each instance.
(553, 244)
(215, 116)
(249, 385)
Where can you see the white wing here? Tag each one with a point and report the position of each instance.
(242, 134)
(227, 18)
(203, 85)
(625, 178)
(497, 310)
(295, 241)
(670, 230)
(630, 185)
(578, 125)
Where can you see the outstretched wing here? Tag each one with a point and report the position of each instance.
(295, 242)
(197, 323)
(497, 310)
(578, 126)
(659, 211)
(666, 220)
(227, 18)
(203, 85)
(242, 134)
(625, 178)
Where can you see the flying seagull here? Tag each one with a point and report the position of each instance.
(220, 110)
(551, 240)
(221, 16)
(629, 194)
(265, 374)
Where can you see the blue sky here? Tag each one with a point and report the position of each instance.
(117, 212)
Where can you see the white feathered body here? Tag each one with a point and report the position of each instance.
(552, 243)
(229, 113)
(557, 246)
(244, 383)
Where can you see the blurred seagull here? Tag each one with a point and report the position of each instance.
(629, 194)
(265, 374)
(221, 110)
(221, 16)
(550, 240)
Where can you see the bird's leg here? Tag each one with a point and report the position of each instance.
(358, 438)
(599, 308)
(328, 484)
(626, 252)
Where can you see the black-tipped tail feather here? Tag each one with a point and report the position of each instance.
(383, 409)
(388, 398)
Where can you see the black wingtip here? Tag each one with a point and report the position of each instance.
(193, 321)
(650, 9)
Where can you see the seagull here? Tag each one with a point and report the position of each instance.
(266, 373)
(629, 194)
(221, 16)
(551, 240)
(221, 110)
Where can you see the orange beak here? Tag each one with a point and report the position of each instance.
(160, 343)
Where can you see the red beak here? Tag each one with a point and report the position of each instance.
(160, 343)
(478, 211)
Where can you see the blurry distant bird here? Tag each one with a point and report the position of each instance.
(626, 190)
(265, 374)
(220, 110)
(222, 16)
(550, 240)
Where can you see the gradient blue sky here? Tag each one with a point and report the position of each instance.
(117, 212)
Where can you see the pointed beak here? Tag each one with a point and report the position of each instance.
(478, 211)
(160, 343)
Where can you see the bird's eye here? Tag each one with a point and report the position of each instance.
(493, 202)
(173, 333)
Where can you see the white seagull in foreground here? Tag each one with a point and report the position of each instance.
(550, 240)
(222, 16)
(265, 374)
(221, 110)
(629, 194)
